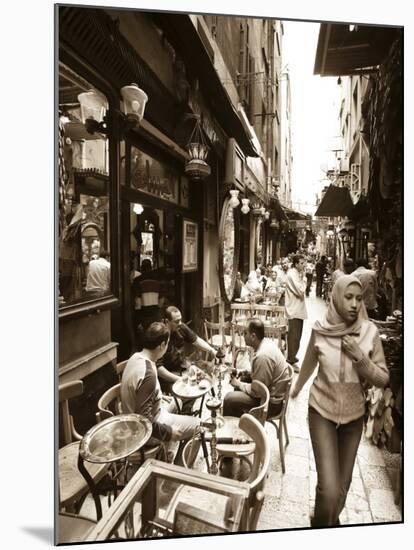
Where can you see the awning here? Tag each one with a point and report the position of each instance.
(294, 215)
(344, 52)
(336, 202)
(277, 208)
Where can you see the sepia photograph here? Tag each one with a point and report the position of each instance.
(230, 274)
(205, 241)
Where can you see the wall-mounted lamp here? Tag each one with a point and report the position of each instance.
(94, 107)
(197, 168)
(234, 201)
(245, 206)
(138, 208)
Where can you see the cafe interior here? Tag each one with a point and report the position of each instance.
(127, 194)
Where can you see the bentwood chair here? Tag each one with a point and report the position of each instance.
(217, 334)
(120, 367)
(73, 528)
(73, 487)
(279, 420)
(236, 450)
(259, 467)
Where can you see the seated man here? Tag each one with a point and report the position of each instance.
(141, 392)
(268, 366)
(172, 363)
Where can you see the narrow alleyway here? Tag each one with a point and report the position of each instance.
(289, 499)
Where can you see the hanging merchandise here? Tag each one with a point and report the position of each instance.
(384, 412)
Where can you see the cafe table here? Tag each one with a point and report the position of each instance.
(188, 391)
(112, 440)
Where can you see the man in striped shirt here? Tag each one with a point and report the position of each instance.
(141, 392)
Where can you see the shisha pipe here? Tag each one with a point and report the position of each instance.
(220, 357)
(213, 405)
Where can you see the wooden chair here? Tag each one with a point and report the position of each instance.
(73, 528)
(243, 451)
(277, 333)
(217, 334)
(279, 421)
(270, 313)
(72, 485)
(120, 367)
(240, 312)
(259, 465)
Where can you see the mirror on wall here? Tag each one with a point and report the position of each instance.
(228, 249)
(84, 198)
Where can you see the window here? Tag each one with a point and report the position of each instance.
(84, 197)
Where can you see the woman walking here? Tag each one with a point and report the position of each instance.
(347, 347)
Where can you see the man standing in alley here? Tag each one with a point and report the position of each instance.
(295, 307)
(310, 267)
(368, 279)
(320, 269)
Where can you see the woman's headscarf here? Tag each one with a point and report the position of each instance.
(333, 324)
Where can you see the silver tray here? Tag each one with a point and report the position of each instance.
(115, 438)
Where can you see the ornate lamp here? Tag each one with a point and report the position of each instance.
(94, 107)
(274, 223)
(245, 206)
(234, 201)
(135, 101)
(197, 168)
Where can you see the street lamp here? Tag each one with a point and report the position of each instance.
(94, 109)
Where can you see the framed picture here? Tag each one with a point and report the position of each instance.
(190, 246)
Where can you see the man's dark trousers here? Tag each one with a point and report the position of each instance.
(295, 327)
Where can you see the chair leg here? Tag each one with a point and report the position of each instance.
(286, 430)
(281, 448)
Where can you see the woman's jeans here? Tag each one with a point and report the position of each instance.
(335, 448)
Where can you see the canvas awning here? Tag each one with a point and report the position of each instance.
(336, 202)
(294, 215)
(344, 52)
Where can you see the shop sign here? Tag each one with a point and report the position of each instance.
(190, 246)
(151, 176)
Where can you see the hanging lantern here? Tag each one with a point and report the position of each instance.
(197, 168)
(234, 201)
(245, 206)
(266, 215)
(274, 223)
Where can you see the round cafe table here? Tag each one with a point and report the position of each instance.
(111, 440)
(186, 391)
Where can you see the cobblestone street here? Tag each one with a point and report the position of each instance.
(289, 499)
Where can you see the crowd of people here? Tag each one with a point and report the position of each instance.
(344, 346)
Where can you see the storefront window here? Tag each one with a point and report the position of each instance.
(84, 198)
